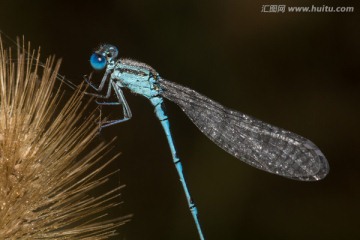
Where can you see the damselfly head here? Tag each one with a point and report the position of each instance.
(105, 54)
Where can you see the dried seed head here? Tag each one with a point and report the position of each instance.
(44, 186)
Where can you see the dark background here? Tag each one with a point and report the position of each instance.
(299, 71)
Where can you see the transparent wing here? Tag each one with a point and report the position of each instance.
(259, 144)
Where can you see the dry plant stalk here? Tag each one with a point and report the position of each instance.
(44, 186)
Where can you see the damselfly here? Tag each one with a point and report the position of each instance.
(259, 144)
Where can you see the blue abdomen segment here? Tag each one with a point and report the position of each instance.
(157, 102)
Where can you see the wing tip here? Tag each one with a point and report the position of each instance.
(322, 162)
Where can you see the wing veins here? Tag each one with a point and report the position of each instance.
(254, 142)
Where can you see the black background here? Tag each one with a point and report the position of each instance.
(299, 71)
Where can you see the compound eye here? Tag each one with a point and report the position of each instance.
(98, 61)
